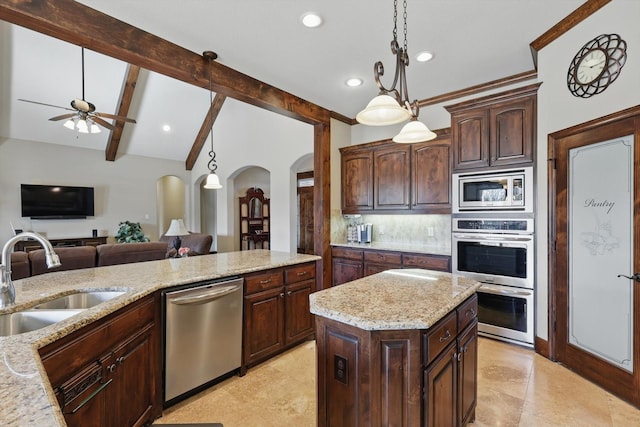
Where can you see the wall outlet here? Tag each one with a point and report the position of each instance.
(430, 231)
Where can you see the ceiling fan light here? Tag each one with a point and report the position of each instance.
(94, 128)
(70, 124)
(383, 110)
(82, 126)
(213, 182)
(414, 131)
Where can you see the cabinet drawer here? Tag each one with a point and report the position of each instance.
(429, 262)
(263, 281)
(467, 312)
(355, 254)
(383, 257)
(299, 273)
(439, 337)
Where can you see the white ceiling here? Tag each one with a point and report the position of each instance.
(473, 41)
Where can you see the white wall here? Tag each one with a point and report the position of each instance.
(245, 135)
(558, 109)
(124, 189)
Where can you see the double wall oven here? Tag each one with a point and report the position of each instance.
(495, 246)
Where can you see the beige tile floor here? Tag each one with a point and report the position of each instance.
(516, 387)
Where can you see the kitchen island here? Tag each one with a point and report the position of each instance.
(397, 348)
(25, 389)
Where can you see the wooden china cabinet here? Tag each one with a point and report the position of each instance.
(254, 220)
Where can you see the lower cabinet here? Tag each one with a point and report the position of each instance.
(276, 311)
(108, 373)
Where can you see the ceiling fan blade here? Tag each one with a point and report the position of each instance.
(48, 105)
(62, 117)
(101, 122)
(114, 117)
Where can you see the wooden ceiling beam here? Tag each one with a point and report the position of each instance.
(126, 95)
(207, 125)
(76, 23)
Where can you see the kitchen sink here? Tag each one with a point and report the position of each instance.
(31, 320)
(79, 300)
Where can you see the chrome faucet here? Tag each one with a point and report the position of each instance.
(7, 291)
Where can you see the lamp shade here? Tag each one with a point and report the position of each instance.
(177, 228)
(383, 110)
(414, 131)
(213, 182)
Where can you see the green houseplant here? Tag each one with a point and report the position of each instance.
(130, 232)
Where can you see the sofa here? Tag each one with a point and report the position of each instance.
(32, 263)
(198, 243)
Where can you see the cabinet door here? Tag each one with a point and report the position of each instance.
(512, 132)
(440, 383)
(357, 182)
(467, 374)
(378, 261)
(470, 139)
(298, 318)
(431, 176)
(391, 169)
(264, 324)
(345, 270)
(134, 386)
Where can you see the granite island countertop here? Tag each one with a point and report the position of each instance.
(24, 388)
(394, 299)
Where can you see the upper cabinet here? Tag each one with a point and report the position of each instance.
(385, 177)
(496, 130)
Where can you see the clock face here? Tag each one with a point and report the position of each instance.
(596, 65)
(591, 66)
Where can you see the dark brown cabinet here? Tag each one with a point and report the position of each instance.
(357, 181)
(496, 130)
(254, 220)
(349, 264)
(385, 177)
(276, 311)
(108, 373)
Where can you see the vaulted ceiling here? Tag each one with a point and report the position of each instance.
(473, 42)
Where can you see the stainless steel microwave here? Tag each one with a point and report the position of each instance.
(496, 190)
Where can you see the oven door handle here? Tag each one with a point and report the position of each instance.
(509, 292)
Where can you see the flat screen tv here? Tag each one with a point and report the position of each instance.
(56, 201)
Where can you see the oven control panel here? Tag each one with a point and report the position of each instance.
(518, 226)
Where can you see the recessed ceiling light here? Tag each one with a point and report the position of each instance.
(166, 128)
(424, 56)
(311, 20)
(353, 82)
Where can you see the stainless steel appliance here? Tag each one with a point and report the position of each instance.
(497, 190)
(203, 335)
(499, 252)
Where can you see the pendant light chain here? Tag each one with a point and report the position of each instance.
(212, 162)
(404, 16)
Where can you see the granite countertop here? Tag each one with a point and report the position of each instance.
(431, 249)
(24, 389)
(394, 299)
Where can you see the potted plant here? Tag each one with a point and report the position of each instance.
(130, 232)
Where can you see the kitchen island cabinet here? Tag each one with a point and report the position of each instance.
(397, 348)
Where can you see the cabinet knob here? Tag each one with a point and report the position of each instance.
(471, 313)
(446, 336)
(281, 294)
(289, 293)
(120, 360)
(111, 368)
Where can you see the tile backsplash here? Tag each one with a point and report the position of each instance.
(405, 229)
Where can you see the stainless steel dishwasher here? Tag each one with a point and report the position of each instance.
(203, 335)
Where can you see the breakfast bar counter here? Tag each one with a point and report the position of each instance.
(397, 348)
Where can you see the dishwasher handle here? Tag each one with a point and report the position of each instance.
(201, 298)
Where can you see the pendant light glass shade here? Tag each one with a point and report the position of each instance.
(414, 131)
(383, 110)
(70, 124)
(213, 182)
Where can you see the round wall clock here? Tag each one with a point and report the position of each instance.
(596, 65)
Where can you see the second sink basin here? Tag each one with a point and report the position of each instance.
(80, 300)
(31, 320)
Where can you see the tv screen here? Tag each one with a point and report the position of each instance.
(56, 201)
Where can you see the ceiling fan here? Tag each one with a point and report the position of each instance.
(84, 117)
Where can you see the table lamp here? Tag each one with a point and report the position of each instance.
(177, 228)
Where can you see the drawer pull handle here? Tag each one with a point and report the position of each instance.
(264, 282)
(302, 273)
(471, 313)
(446, 336)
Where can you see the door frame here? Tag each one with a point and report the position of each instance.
(553, 287)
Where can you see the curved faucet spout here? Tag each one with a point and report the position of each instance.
(7, 290)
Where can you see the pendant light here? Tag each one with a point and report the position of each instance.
(213, 182)
(392, 106)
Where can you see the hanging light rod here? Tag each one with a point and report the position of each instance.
(392, 105)
(213, 181)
